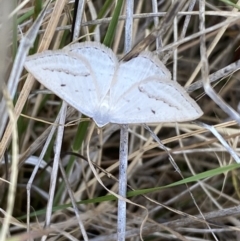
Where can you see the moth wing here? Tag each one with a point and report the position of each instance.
(155, 100)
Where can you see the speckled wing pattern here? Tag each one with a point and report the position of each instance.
(89, 77)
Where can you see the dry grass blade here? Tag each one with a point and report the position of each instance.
(205, 71)
(161, 29)
(24, 47)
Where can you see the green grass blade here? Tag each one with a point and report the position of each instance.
(113, 24)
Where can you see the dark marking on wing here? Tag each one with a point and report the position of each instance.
(68, 72)
(158, 98)
(153, 111)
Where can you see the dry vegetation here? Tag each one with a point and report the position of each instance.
(203, 207)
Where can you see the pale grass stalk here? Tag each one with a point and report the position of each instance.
(14, 167)
(54, 173)
(36, 168)
(123, 149)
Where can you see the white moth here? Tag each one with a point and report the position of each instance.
(89, 77)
